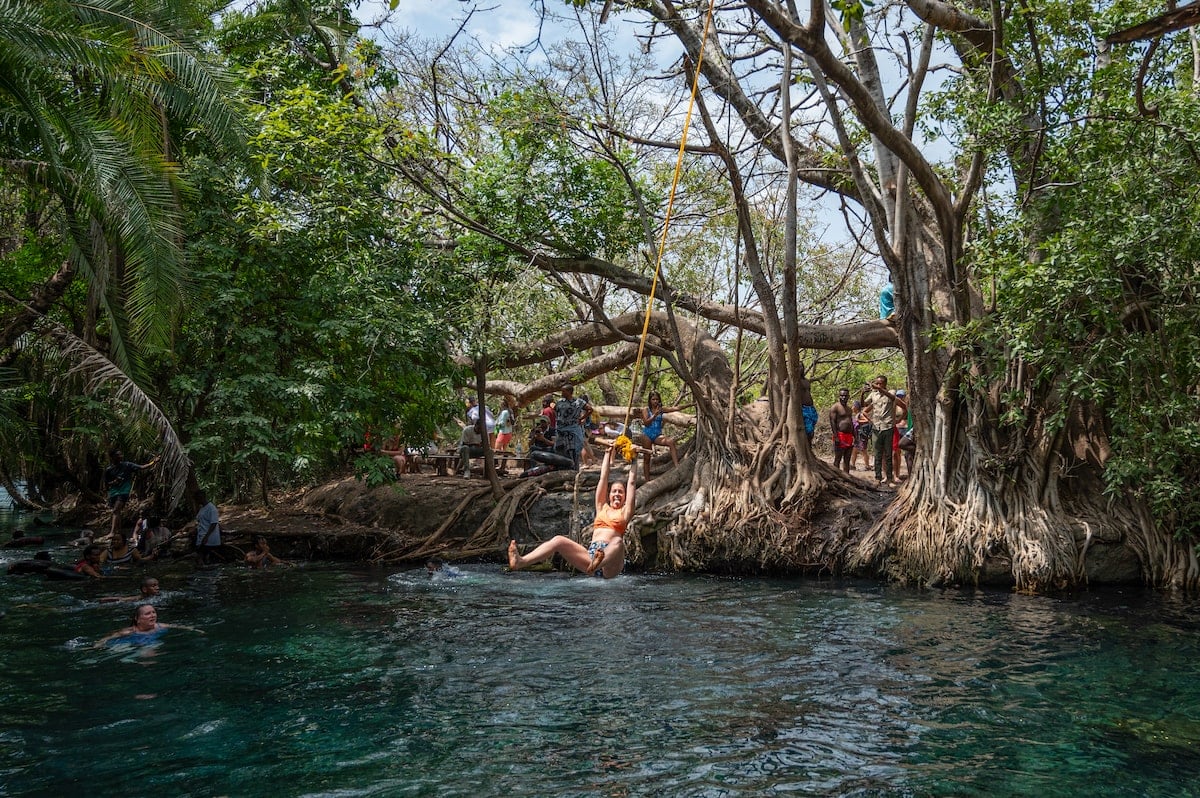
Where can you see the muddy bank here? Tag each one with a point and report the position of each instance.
(424, 515)
(419, 516)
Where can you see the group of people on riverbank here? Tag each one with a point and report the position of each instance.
(563, 434)
(148, 541)
(877, 423)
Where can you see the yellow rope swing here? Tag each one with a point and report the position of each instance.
(623, 445)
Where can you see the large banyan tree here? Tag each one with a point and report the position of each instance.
(1025, 188)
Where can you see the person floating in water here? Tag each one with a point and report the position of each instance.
(145, 628)
(606, 554)
(90, 565)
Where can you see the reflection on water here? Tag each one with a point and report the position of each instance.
(319, 681)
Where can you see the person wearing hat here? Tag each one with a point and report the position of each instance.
(569, 413)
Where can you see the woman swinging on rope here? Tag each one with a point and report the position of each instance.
(606, 554)
(614, 505)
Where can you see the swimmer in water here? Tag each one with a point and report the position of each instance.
(438, 569)
(605, 555)
(260, 555)
(93, 556)
(145, 628)
(149, 590)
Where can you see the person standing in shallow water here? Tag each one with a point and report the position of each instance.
(606, 553)
(208, 528)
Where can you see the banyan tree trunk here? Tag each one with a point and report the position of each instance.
(1032, 519)
(747, 502)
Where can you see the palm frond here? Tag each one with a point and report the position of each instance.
(98, 371)
(87, 89)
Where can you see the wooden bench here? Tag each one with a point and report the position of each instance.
(445, 463)
(503, 459)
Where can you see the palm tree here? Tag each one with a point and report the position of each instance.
(91, 92)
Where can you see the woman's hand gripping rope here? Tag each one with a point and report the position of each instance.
(623, 446)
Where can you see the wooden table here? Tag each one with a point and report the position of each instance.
(442, 463)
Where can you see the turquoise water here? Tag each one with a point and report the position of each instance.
(321, 681)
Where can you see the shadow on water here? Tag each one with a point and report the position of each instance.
(320, 681)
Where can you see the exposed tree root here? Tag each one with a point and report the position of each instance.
(756, 514)
(954, 531)
(17, 496)
(430, 545)
(491, 534)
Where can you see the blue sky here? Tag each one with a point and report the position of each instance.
(496, 23)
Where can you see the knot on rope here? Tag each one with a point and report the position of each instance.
(624, 447)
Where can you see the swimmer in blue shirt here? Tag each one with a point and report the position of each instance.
(145, 628)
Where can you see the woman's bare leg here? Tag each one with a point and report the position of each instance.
(670, 444)
(648, 447)
(571, 551)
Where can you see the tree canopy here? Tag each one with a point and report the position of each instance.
(280, 231)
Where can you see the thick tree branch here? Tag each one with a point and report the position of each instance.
(848, 337)
(868, 112)
(718, 70)
(41, 299)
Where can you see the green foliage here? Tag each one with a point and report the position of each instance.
(532, 184)
(851, 10)
(375, 469)
(88, 90)
(316, 322)
(1105, 312)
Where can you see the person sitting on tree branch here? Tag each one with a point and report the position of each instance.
(652, 425)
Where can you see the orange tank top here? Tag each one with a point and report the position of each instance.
(609, 518)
